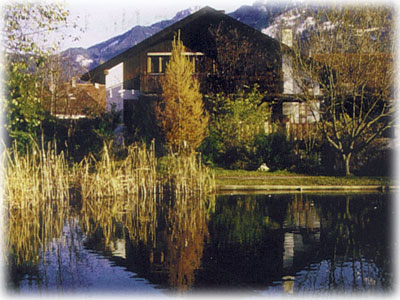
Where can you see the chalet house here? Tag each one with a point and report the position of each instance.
(213, 40)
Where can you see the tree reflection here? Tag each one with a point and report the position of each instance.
(299, 242)
(246, 242)
(183, 240)
(353, 242)
(165, 236)
(180, 236)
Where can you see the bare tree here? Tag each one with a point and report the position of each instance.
(241, 62)
(348, 52)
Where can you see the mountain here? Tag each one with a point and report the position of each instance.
(80, 59)
(261, 16)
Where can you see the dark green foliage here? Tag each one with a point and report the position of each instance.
(211, 148)
(239, 157)
(143, 126)
(310, 163)
(375, 160)
(275, 150)
(82, 136)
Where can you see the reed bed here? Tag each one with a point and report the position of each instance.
(140, 173)
(135, 190)
(36, 197)
(182, 174)
(107, 177)
(132, 191)
(41, 176)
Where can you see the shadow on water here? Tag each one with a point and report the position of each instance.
(278, 243)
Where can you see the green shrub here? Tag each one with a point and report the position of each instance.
(275, 150)
(80, 137)
(234, 122)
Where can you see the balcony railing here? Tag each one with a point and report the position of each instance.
(150, 83)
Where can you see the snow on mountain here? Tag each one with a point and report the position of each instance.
(263, 16)
(83, 61)
(293, 18)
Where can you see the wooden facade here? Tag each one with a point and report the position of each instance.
(195, 32)
(256, 59)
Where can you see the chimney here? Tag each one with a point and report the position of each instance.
(287, 37)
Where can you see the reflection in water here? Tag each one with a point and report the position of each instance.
(164, 242)
(283, 242)
(181, 240)
(30, 232)
(289, 243)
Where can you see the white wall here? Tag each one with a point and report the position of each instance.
(289, 86)
(289, 83)
(114, 88)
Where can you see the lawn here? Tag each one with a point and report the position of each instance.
(242, 177)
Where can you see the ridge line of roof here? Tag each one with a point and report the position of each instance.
(116, 59)
(144, 43)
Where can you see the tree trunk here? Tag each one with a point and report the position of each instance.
(346, 160)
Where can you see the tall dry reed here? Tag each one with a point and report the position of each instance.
(36, 177)
(110, 188)
(107, 177)
(36, 198)
(185, 174)
(134, 190)
(130, 191)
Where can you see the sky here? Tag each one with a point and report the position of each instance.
(101, 20)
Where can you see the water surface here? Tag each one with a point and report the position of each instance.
(255, 244)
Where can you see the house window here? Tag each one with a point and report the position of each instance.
(155, 64)
(164, 62)
(301, 113)
(157, 61)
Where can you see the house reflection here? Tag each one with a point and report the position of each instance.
(348, 256)
(302, 226)
(302, 230)
(296, 241)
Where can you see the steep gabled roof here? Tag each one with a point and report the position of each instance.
(194, 34)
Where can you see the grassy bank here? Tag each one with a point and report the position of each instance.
(242, 177)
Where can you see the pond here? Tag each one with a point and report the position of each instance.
(253, 244)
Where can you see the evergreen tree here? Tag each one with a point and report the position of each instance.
(180, 113)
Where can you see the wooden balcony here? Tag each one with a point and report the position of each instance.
(150, 83)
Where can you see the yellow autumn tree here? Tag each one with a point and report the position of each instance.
(180, 113)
